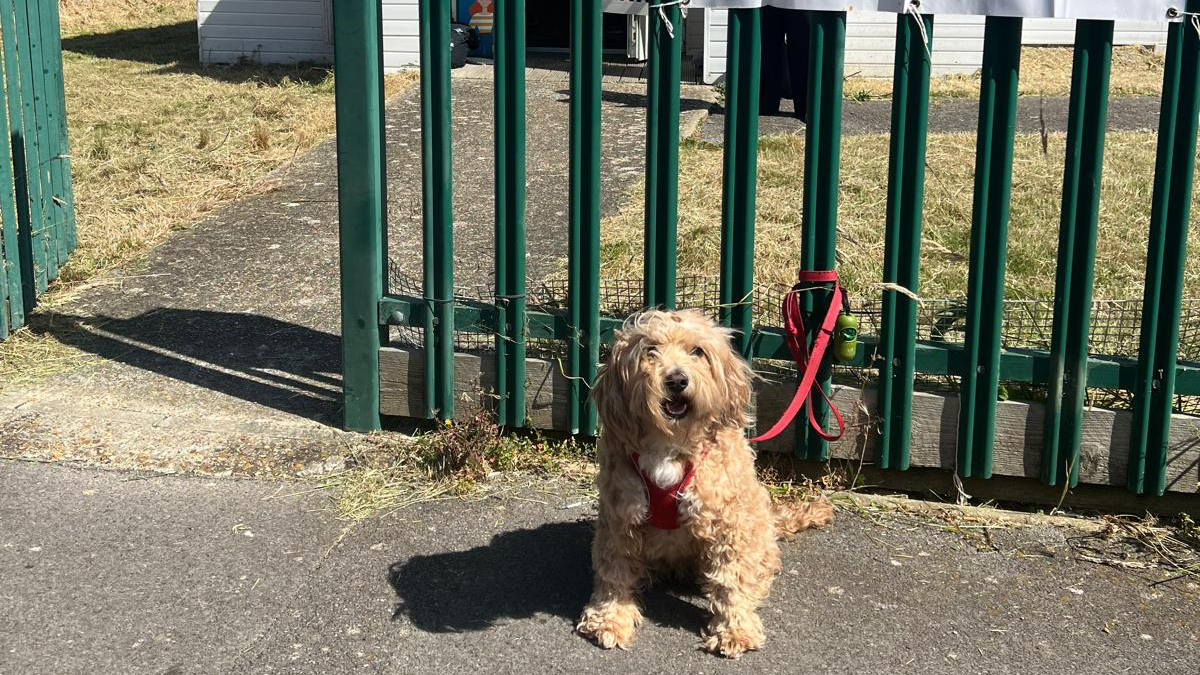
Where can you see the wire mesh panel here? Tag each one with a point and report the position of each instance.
(1026, 324)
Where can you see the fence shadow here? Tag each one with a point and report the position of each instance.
(628, 71)
(639, 100)
(518, 575)
(254, 358)
(175, 49)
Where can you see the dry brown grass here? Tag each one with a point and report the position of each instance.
(157, 141)
(29, 356)
(453, 459)
(104, 16)
(1037, 189)
(1045, 71)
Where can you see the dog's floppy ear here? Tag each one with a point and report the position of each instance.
(739, 385)
(609, 392)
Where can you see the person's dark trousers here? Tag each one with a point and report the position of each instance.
(784, 60)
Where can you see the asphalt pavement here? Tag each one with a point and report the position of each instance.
(115, 572)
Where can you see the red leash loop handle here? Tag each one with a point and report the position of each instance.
(809, 362)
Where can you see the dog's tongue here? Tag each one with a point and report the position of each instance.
(676, 407)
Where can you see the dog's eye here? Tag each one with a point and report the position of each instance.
(698, 353)
(651, 352)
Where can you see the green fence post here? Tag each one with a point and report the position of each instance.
(63, 159)
(902, 239)
(662, 156)
(52, 168)
(509, 35)
(437, 210)
(12, 302)
(48, 10)
(583, 345)
(989, 244)
(28, 170)
(41, 108)
(1087, 119)
(361, 212)
(742, 79)
(1154, 391)
(822, 160)
(24, 291)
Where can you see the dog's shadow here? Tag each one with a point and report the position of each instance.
(520, 574)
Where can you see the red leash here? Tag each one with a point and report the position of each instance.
(809, 362)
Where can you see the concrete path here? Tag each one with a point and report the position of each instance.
(221, 351)
(956, 115)
(109, 572)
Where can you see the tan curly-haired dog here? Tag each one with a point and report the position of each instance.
(674, 400)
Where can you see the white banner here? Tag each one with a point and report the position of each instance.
(1132, 10)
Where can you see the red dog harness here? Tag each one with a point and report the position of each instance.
(809, 362)
(664, 507)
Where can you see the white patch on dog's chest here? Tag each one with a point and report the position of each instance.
(662, 468)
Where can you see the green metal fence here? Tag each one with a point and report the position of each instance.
(36, 205)
(1066, 368)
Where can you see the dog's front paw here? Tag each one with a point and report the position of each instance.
(609, 627)
(734, 640)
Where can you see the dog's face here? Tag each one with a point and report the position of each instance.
(672, 375)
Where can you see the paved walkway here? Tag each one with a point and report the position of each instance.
(107, 572)
(221, 352)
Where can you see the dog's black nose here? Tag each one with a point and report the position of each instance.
(676, 381)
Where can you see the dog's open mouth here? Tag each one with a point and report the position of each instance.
(675, 408)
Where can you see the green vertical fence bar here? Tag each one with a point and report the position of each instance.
(662, 156)
(822, 159)
(27, 169)
(902, 238)
(1086, 121)
(1154, 390)
(51, 95)
(63, 158)
(42, 127)
(583, 353)
(429, 202)
(742, 80)
(46, 140)
(22, 244)
(989, 244)
(509, 35)
(361, 211)
(438, 214)
(12, 310)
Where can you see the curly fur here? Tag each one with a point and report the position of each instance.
(729, 527)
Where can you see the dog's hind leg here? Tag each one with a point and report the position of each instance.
(790, 518)
(613, 614)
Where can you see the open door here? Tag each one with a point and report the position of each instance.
(637, 44)
(637, 26)
(548, 27)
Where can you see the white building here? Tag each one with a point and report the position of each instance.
(292, 31)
